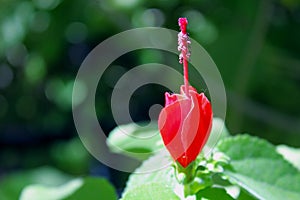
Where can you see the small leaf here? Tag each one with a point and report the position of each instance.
(290, 154)
(87, 188)
(135, 141)
(259, 169)
(150, 191)
(213, 193)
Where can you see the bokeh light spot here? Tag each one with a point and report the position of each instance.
(48, 5)
(14, 26)
(203, 29)
(52, 88)
(12, 31)
(35, 68)
(127, 3)
(40, 22)
(150, 17)
(16, 55)
(60, 93)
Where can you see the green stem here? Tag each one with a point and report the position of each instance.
(185, 175)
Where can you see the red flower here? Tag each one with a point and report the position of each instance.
(185, 121)
(185, 124)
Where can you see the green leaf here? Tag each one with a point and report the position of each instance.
(94, 189)
(135, 141)
(213, 193)
(150, 191)
(290, 154)
(36, 192)
(155, 165)
(149, 173)
(11, 185)
(87, 188)
(244, 195)
(259, 169)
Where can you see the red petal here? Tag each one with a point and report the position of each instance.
(170, 98)
(197, 142)
(170, 125)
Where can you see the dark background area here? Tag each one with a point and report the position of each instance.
(255, 44)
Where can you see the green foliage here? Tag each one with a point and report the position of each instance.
(252, 166)
(50, 184)
(151, 191)
(87, 188)
(213, 193)
(169, 177)
(290, 154)
(127, 139)
(12, 185)
(35, 192)
(258, 168)
(146, 174)
(241, 167)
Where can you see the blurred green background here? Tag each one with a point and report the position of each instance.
(255, 44)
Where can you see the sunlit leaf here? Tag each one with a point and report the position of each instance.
(87, 188)
(150, 191)
(259, 169)
(290, 154)
(12, 185)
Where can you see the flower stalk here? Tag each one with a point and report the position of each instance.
(183, 47)
(185, 121)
